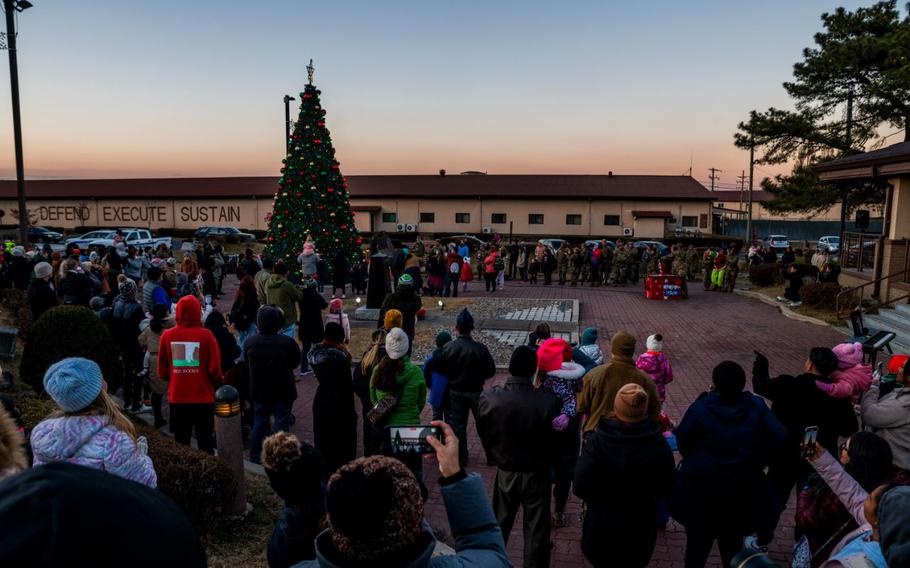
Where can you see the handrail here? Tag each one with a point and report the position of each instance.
(853, 289)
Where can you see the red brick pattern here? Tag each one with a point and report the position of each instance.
(698, 333)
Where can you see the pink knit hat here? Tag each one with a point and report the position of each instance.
(335, 306)
(550, 354)
(848, 355)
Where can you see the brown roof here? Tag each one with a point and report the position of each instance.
(645, 187)
(890, 160)
(732, 196)
(652, 214)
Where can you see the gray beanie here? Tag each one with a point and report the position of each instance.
(43, 270)
(73, 383)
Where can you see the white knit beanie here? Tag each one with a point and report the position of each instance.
(396, 343)
(655, 342)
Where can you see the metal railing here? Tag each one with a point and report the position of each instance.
(857, 251)
(848, 299)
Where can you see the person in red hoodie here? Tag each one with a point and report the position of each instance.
(190, 360)
(489, 270)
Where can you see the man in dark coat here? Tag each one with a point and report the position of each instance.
(310, 328)
(19, 269)
(41, 295)
(515, 426)
(726, 438)
(334, 419)
(468, 364)
(625, 468)
(405, 300)
(272, 358)
(798, 403)
(125, 319)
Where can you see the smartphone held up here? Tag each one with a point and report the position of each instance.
(412, 439)
(807, 447)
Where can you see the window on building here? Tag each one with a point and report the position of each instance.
(390, 217)
(611, 220)
(703, 221)
(535, 218)
(690, 220)
(427, 217)
(498, 218)
(573, 219)
(462, 217)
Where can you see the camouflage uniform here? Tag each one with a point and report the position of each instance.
(732, 271)
(575, 261)
(679, 266)
(693, 263)
(562, 263)
(708, 265)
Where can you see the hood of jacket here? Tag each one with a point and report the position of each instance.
(729, 413)
(417, 556)
(569, 371)
(275, 281)
(269, 320)
(321, 353)
(61, 439)
(189, 311)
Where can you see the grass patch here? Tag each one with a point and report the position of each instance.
(242, 541)
(826, 315)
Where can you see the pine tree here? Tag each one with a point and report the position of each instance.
(312, 199)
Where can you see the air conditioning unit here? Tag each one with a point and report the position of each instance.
(411, 228)
(401, 227)
(627, 231)
(487, 230)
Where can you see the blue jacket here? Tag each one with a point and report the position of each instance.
(478, 540)
(725, 446)
(437, 383)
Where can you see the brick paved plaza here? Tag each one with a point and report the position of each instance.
(699, 332)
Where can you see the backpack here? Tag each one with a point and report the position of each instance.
(499, 264)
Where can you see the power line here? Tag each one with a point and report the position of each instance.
(713, 177)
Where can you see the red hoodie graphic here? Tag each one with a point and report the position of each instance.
(189, 357)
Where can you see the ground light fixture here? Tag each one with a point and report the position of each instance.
(442, 305)
(358, 301)
(227, 402)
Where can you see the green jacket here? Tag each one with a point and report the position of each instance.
(413, 395)
(280, 292)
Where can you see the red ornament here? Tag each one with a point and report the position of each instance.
(330, 190)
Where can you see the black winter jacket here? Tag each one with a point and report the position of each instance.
(798, 403)
(41, 298)
(620, 474)
(515, 426)
(334, 419)
(405, 301)
(272, 358)
(310, 328)
(467, 364)
(77, 288)
(126, 316)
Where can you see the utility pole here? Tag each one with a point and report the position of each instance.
(751, 178)
(742, 187)
(713, 177)
(287, 122)
(11, 6)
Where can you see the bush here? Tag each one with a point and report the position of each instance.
(200, 484)
(68, 331)
(16, 302)
(819, 295)
(764, 274)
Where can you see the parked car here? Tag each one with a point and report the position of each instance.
(831, 244)
(553, 244)
(226, 234)
(139, 238)
(43, 235)
(473, 241)
(661, 248)
(777, 242)
(84, 240)
(598, 242)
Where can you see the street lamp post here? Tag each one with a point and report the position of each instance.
(9, 7)
(287, 122)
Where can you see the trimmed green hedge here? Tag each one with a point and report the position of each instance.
(69, 331)
(820, 294)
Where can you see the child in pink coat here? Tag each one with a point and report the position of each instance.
(656, 365)
(467, 274)
(852, 377)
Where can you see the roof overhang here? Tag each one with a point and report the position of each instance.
(652, 214)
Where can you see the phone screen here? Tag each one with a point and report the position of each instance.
(809, 437)
(412, 439)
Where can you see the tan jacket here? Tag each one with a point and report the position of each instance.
(601, 385)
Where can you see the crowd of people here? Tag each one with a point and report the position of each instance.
(568, 419)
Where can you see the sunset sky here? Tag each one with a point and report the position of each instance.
(131, 88)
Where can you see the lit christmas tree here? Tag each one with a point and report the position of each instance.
(312, 198)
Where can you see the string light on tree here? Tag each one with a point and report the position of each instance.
(311, 184)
